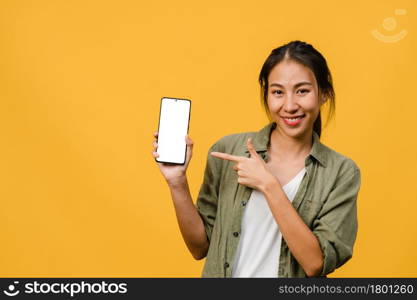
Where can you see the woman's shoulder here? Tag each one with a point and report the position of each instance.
(338, 160)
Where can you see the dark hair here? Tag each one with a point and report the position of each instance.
(305, 54)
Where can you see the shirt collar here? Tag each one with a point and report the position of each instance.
(261, 141)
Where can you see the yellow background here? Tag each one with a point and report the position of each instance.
(80, 88)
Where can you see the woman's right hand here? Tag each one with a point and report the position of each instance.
(173, 173)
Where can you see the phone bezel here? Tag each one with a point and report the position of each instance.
(188, 127)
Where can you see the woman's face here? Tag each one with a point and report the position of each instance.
(293, 98)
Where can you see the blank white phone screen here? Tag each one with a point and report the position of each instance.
(173, 127)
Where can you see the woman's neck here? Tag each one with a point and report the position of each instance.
(286, 148)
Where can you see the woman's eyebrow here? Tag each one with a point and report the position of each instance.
(295, 85)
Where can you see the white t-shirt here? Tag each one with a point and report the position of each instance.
(259, 246)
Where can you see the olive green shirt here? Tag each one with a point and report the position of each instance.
(325, 200)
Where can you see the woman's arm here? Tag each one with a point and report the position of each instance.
(334, 228)
(190, 223)
(330, 242)
(301, 241)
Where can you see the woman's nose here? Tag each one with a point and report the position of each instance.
(290, 105)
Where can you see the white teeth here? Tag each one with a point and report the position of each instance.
(293, 119)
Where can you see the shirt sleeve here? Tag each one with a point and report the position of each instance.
(336, 225)
(208, 195)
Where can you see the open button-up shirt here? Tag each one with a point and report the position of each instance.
(325, 200)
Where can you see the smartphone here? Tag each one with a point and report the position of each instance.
(174, 120)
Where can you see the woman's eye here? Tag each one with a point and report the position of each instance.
(303, 91)
(278, 92)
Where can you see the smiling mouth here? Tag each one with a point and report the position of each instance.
(293, 121)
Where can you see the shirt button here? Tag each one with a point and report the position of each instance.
(226, 264)
(243, 203)
(235, 234)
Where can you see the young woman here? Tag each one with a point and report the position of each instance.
(276, 202)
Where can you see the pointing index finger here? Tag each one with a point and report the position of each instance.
(226, 156)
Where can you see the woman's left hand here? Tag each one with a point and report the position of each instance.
(251, 171)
